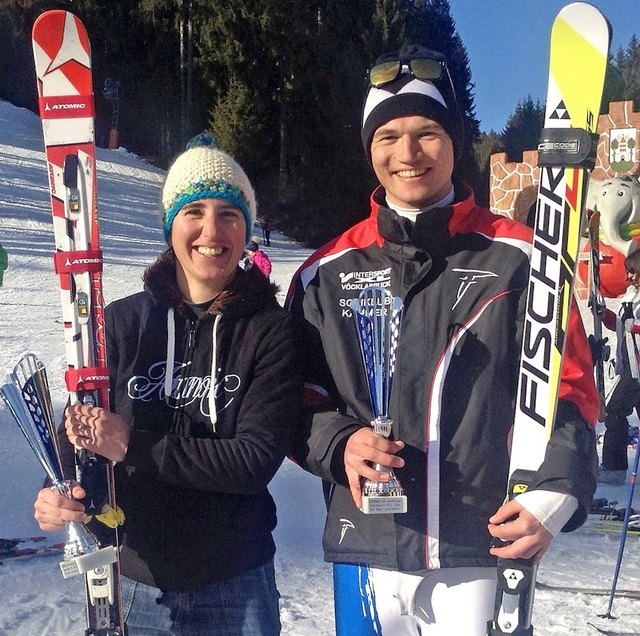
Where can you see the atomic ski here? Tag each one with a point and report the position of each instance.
(578, 59)
(62, 57)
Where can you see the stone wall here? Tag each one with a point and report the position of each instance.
(509, 181)
(513, 185)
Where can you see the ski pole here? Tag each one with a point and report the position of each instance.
(623, 536)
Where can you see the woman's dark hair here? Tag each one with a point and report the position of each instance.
(632, 262)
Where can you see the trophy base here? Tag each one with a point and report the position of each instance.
(87, 562)
(384, 504)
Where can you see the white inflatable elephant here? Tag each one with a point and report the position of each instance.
(618, 201)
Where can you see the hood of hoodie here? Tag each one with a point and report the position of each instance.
(248, 291)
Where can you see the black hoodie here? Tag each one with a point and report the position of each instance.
(194, 488)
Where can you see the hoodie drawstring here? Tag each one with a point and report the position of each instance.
(171, 353)
(213, 413)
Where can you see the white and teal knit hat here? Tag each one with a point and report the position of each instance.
(203, 171)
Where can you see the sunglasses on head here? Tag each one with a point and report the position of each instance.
(631, 271)
(421, 68)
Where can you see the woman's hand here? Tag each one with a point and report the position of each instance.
(98, 430)
(53, 510)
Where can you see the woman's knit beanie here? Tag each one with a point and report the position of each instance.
(203, 171)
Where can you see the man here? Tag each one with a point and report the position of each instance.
(462, 274)
(265, 224)
(626, 395)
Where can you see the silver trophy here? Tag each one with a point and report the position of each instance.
(377, 315)
(26, 393)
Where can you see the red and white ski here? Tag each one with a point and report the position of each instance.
(62, 57)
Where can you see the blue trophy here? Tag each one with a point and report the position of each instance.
(377, 315)
(27, 396)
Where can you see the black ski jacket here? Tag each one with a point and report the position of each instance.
(195, 492)
(461, 272)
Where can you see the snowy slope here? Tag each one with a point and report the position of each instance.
(35, 598)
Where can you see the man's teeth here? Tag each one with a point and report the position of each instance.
(410, 173)
(210, 251)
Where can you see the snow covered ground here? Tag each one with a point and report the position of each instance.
(36, 600)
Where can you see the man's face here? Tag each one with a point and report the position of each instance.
(413, 159)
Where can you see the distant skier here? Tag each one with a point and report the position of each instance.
(266, 226)
(4, 263)
(258, 257)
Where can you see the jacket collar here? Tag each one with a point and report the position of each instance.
(432, 231)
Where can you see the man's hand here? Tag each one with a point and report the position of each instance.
(524, 536)
(98, 430)
(364, 449)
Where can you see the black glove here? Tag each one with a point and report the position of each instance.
(600, 349)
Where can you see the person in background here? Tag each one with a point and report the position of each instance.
(4, 263)
(462, 274)
(205, 371)
(258, 257)
(266, 226)
(626, 394)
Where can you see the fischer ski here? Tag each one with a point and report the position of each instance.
(62, 57)
(580, 40)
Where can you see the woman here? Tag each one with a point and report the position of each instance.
(205, 392)
(258, 257)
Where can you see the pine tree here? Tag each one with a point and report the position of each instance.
(523, 128)
(630, 71)
(279, 82)
(622, 81)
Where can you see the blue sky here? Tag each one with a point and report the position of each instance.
(507, 42)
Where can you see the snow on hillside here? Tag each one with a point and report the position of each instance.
(35, 598)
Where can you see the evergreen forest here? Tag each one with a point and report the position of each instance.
(279, 83)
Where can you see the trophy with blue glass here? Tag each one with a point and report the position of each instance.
(377, 315)
(26, 394)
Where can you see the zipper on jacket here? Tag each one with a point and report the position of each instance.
(187, 363)
(191, 339)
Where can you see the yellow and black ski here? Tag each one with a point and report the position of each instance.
(580, 40)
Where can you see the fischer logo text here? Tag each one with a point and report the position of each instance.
(551, 273)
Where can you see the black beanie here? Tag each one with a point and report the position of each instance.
(407, 95)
